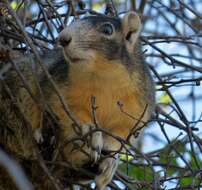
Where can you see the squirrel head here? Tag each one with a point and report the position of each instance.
(109, 37)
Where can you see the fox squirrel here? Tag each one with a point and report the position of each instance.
(104, 62)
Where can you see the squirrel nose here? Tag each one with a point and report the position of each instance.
(65, 40)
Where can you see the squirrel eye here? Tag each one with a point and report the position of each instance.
(107, 29)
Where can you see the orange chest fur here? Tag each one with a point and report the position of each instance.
(109, 84)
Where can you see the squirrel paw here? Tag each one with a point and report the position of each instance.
(96, 146)
(38, 135)
(108, 168)
(95, 142)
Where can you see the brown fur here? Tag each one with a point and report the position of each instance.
(110, 83)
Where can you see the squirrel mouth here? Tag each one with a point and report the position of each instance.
(74, 59)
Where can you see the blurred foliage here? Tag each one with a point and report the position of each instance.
(165, 99)
(14, 5)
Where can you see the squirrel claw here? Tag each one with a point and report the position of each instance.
(95, 142)
(97, 145)
(38, 136)
(108, 168)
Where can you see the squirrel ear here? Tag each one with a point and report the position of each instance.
(131, 28)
